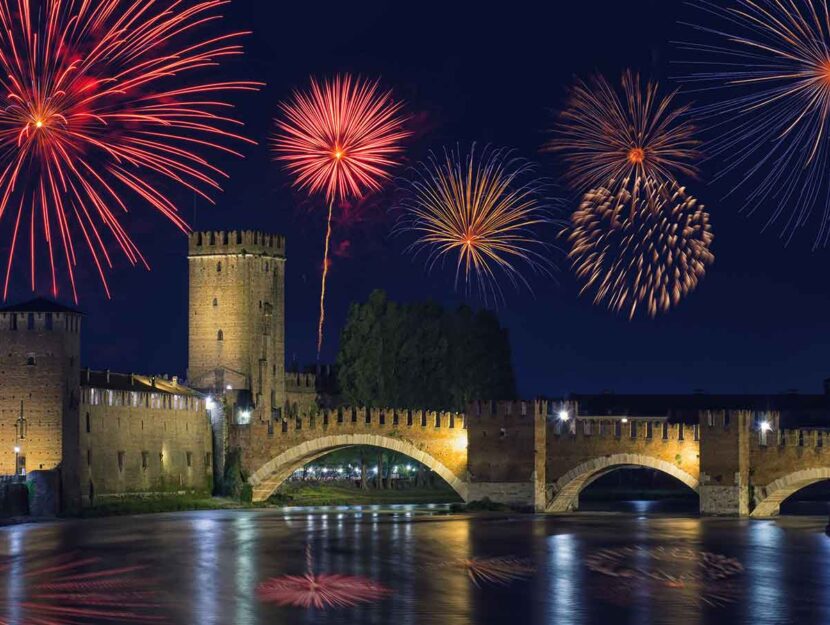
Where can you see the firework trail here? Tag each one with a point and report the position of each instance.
(340, 138)
(604, 135)
(484, 210)
(771, 61)
(638, 248)
(76, 591)
(103, 106)
(320, 590)
(494, 571)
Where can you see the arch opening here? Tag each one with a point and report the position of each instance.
(274, 473)
(564, 494)
(769, 500)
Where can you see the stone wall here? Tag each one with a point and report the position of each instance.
(725, 462)
(272, 450)
(142, 443)
(300, 394)
(580, 452)
(39, 373)
(237, 316)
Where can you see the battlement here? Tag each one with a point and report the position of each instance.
(508, 410)
(623, 429)
(817, 440)
(295, 381)
(236, 242)
(375, 418)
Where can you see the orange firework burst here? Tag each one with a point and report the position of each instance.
(772, 58)
(101, 107)
(634, 248)
(483, 210)
(340, 138)
(606, 135)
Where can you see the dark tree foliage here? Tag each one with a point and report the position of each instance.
(422, 356)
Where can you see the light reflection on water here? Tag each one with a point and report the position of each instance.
(208, 564)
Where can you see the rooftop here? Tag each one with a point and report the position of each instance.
(136, 383)
(39, 305)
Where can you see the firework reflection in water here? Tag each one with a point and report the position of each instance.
(494, 571)
(70, 590)
(320, 590)
(707, 576)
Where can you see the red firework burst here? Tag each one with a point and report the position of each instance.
(76, 591)
(340, 138)
(101, 108)
(313, 590)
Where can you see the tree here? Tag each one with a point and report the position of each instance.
(422, 356)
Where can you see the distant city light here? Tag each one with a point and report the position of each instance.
(563, 415)
(625, 419)
(766, 426)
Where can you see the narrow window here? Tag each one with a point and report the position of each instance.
(121, 456)
(189, 458)
(88, 424)
(219, 267)
(30, 360)
(145, 460)
(89, 457)
(215, 302)
(220, 336)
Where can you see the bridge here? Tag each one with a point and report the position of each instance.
(523, 453)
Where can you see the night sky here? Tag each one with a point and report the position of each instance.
(758, 323)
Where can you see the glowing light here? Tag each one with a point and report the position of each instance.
(340, 138)
(484, 211)
(564, 415)
(210, 404)
(770, 60)
(766, 426)
(320, 590)
(460, 443)
(107, 106)
(17, 450)
(604, 135)
(643, 247)
(625, 420)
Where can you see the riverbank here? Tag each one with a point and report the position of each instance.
(301, 494)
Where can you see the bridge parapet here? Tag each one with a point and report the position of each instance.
(379, 418)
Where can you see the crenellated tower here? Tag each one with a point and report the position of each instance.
(237, 319)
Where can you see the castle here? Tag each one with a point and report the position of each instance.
(113, 434)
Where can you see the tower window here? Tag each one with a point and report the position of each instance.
(219, 267)
(30, 360)
(189, 458)
(145, 460)
(88, 424)
(220, 336)
(121, 456)
(215, 302)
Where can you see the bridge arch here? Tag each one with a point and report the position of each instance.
(567, 488)
(776, 492)
(268, 478)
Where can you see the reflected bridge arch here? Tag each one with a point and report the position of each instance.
(774, 494)
(270, 476)
(565, 491)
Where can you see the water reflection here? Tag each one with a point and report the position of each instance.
(208, 565)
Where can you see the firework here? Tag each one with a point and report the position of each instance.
(606, 135)
(102, 109)
(637, 248)
(710, 576)
(340, 138)
(494, 571)
(771, 60)
(482, 210)
(74, 591)
(320, 590)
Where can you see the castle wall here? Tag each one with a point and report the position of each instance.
(300, 394)
(237, 316)
(39, 373)
(143, 443)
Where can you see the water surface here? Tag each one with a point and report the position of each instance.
(590, 568)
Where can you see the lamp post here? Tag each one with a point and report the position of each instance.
(16, 460)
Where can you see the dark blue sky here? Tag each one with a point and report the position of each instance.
(758, 322)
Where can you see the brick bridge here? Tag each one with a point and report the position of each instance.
(522, 453)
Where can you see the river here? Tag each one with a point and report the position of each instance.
(416, 566)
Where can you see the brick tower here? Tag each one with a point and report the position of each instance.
(40, 343)
(237, 320)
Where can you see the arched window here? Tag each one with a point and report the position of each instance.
(215, 302)
(220, 336)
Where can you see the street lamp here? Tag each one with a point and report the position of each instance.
(16, 460)
(564, 415)
(766, 426)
